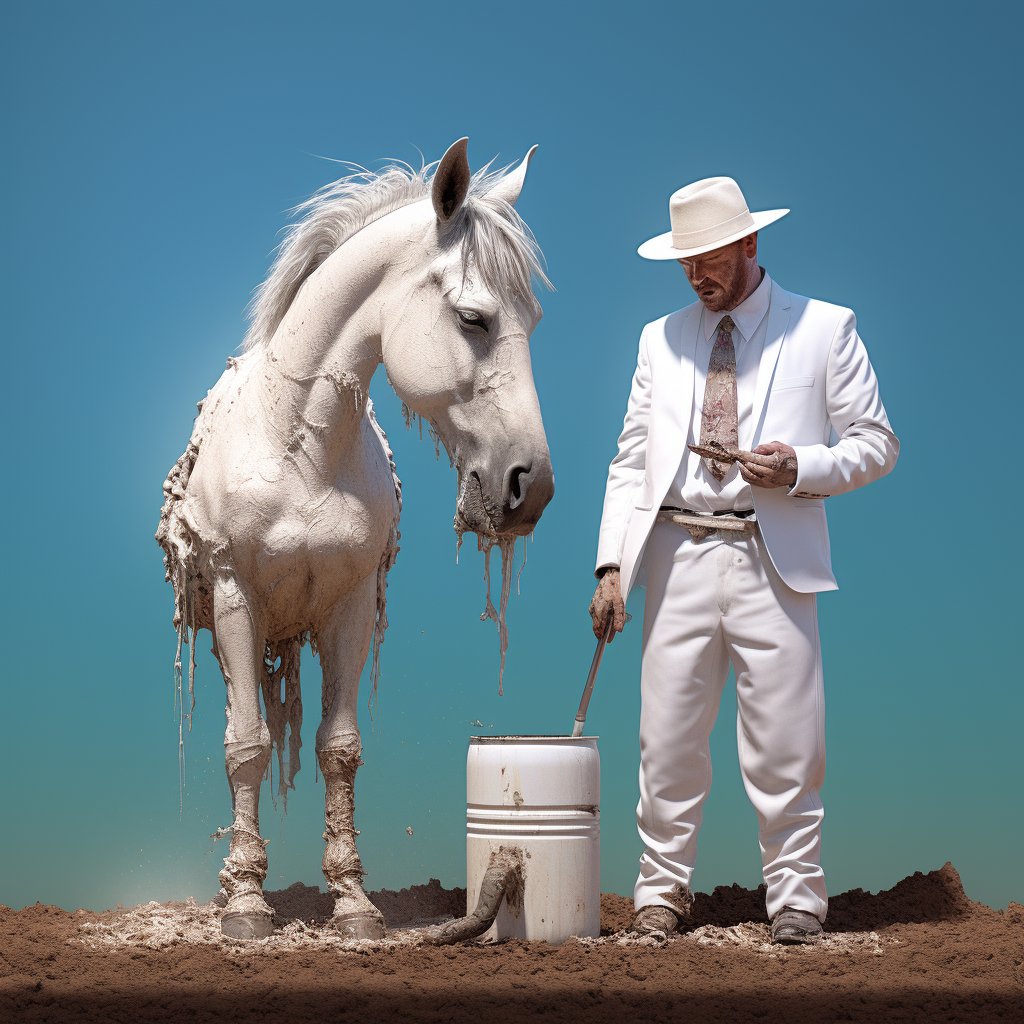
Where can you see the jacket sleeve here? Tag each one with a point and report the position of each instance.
(867, 448)
(626, 472)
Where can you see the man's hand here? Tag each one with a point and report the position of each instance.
(608, 601)
(769, 465)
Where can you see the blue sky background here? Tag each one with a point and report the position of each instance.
(150, 153)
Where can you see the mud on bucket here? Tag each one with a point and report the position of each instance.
(541, 795)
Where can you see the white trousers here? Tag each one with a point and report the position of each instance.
(709, 603)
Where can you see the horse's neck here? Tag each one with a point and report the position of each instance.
(325, 352)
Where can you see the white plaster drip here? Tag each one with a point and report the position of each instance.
(283, 711)
(380, 622)
(519, 575)
(507, 547)
(408, 415)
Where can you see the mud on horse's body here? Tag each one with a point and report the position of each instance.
(281, 519)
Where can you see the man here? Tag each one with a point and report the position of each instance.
(778, 395)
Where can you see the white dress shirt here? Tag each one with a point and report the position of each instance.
(695, 488)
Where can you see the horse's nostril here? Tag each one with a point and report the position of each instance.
(518, 482)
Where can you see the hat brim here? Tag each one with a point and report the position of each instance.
(661, 248)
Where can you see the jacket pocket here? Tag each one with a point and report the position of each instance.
(793, 382)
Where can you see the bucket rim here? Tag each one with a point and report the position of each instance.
(530, 739)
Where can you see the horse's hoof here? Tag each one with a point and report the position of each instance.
(246, 926)
(359, 926)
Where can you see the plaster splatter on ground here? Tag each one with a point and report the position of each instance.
(162, 925)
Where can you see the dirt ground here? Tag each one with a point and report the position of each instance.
(921, 951)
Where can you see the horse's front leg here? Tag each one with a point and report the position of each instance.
(343, 646)
(240, 645)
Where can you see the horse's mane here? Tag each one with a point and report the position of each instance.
(493, 237)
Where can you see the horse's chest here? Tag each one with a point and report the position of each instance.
(336, 531)
(302, 543)
(309, 559)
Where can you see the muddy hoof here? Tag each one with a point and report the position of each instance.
(359, 926)
(246, 926)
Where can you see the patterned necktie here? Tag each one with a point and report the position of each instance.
(719, 419)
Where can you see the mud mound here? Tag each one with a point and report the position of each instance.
(417, 903)
(919, 898)
(616, 912)
(727, 906)
(937, 896)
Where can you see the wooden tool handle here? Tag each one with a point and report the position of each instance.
(581, 715)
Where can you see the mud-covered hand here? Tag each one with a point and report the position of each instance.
(608, 601)
(769, 465)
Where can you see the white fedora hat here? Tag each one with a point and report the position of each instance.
(706, 215)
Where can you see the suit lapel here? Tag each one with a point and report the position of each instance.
(775, 334)
(672, 400)
(684, 344)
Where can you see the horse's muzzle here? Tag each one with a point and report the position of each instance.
(526, 491)
(526, 488)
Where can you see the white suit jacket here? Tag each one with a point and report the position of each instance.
(816, 391)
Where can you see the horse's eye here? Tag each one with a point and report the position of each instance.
(471, 319)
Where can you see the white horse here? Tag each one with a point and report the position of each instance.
(280, 521)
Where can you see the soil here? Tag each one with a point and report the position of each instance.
(919, 951)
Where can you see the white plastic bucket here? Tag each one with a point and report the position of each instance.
(543, 795)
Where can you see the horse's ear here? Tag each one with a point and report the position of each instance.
(509, 187)
(451, 181)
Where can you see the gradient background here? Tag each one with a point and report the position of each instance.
(151, 151)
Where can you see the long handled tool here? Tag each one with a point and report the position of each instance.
(581, 715)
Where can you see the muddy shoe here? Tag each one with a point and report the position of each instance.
(795, 927)
(649, 920)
